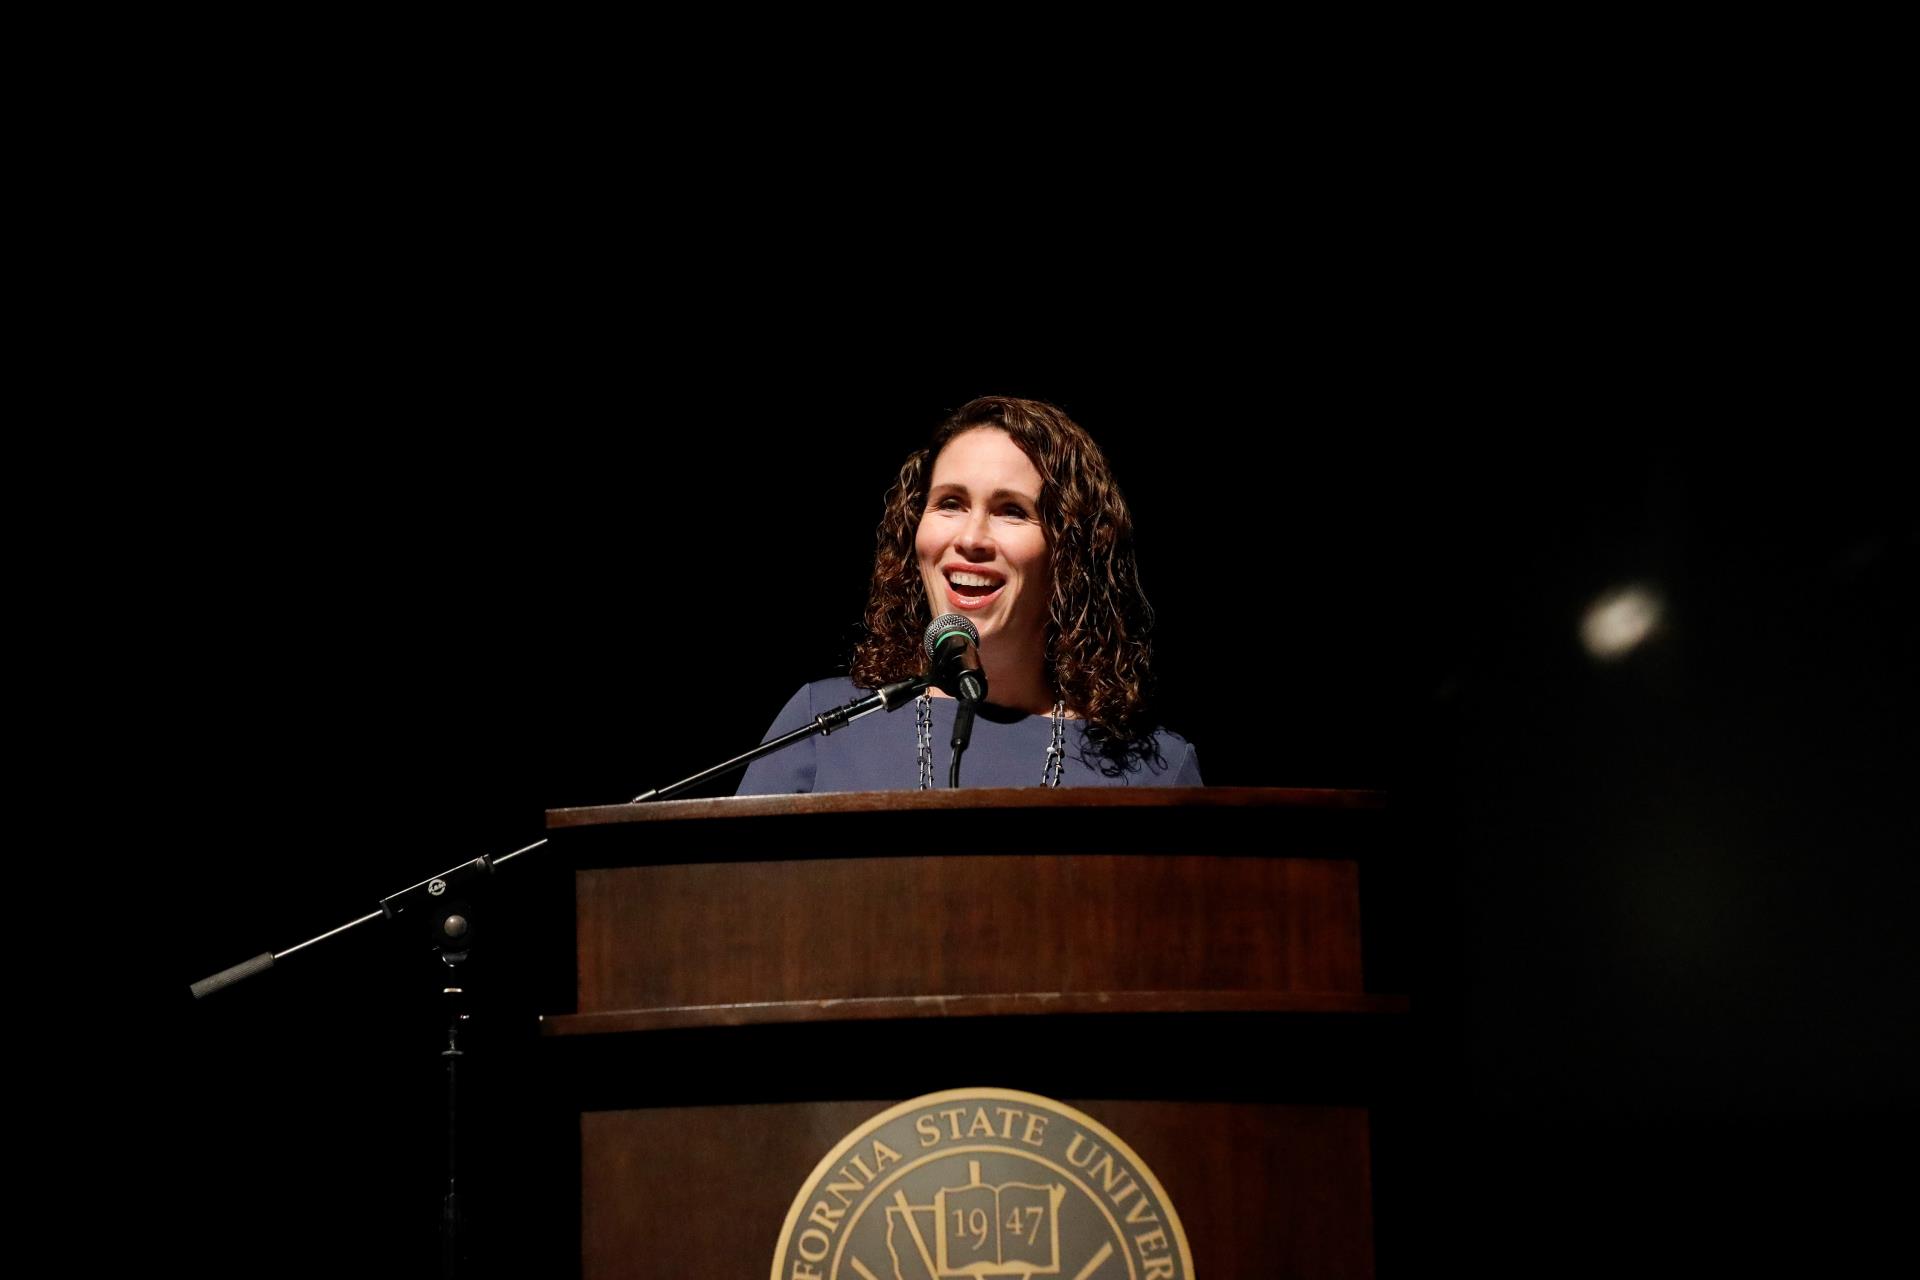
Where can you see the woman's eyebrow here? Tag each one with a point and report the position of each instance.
(995, 496)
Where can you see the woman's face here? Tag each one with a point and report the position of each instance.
(981, 547)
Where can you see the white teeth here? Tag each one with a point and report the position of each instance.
(973, 580)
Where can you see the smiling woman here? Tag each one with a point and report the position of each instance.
(982, 551)
(1010, 517)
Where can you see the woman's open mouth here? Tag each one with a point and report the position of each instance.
(969, 590)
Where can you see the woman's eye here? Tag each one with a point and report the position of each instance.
(1018, 513)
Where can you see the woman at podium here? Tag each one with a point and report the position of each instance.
(1010, 518)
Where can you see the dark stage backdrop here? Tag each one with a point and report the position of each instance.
(425, 590)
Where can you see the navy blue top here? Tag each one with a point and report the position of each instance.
(878, 752)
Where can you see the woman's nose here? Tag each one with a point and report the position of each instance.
(975, 539)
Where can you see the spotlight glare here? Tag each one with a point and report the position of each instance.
(1618, 622)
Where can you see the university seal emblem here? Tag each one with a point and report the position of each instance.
(981, 1184)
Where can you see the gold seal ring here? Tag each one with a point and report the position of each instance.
(980, 1184)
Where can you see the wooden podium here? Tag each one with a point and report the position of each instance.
(758, 976)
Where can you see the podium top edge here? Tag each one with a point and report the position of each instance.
(971, 799)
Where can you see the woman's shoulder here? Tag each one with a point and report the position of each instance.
(832, 691)
(795, 768)
(823, 694)
(810, 700)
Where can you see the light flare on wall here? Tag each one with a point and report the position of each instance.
(1620, 621)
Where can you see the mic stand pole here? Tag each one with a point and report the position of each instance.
(434, 891)
(443, 896)
(451, 939)
(962, 734)
(453, 933)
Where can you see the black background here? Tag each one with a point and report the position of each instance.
(427, 544)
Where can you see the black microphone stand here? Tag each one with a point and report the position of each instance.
(432, 891)
(950, 642)
(452, 939)
(446, 897)
(962, 734)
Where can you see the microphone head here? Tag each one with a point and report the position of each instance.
(956, 668)
(945, 625)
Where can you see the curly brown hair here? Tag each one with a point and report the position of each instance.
(1098, 646)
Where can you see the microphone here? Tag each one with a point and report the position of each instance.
(954, 656)
(953, 650)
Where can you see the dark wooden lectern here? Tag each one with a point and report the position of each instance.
(757, 976)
